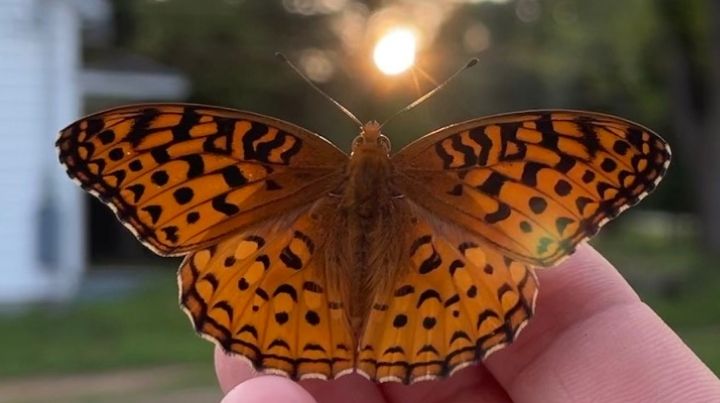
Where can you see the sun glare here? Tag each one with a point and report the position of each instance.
(395, 52)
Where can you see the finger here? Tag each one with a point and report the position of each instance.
(472, 384)
(268, 388)
(231, 371)
(593, 339)
(349, 388)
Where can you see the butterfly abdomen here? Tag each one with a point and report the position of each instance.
(368, 239)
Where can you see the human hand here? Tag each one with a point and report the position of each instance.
(591, 339)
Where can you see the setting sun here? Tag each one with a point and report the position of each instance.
(395, 52)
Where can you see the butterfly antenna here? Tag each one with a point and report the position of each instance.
(432, 92)
(316, 88)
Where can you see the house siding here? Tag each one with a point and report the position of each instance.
(38, 62)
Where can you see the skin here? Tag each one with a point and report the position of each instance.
(592, 339)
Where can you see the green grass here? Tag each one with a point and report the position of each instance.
(142, 328)
(146, 327)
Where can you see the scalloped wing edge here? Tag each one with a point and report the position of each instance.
(313, 375)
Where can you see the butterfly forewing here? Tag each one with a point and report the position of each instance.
(182, 177)
(533, 184)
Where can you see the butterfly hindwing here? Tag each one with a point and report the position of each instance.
(457, 301)
(181, 176)
(533, 184)
(262, 294)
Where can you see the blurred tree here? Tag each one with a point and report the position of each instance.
(693, 54)
(653, 62)
(601, 56)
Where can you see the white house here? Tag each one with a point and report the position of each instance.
(43, 86)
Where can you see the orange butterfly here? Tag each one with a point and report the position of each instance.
(311, 263)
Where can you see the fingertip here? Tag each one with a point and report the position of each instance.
(471, 384)
(337, 390)
(568, 294)
(268, 388)
(585, 255)
(592, 336)
(625, 353)
(580, 285)
(231, 370)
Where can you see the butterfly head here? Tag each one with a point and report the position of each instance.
(371, 139)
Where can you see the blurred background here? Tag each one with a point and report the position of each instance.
(88, 315)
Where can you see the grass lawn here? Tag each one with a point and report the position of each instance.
(146, 328)
(142, 328)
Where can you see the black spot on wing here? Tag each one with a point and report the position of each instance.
(196, 165)
(503, 212)
(431, 263)
(309, 244)
(232, 176)
(428, 294)
(154, 211)
(483, 140)
(220, 204)
(404, 290)
(290, 259)
(485, 315)
(225, 306)
(419, 242)
(492, 185)
(286, 289)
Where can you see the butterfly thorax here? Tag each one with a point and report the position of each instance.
(368, 172)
